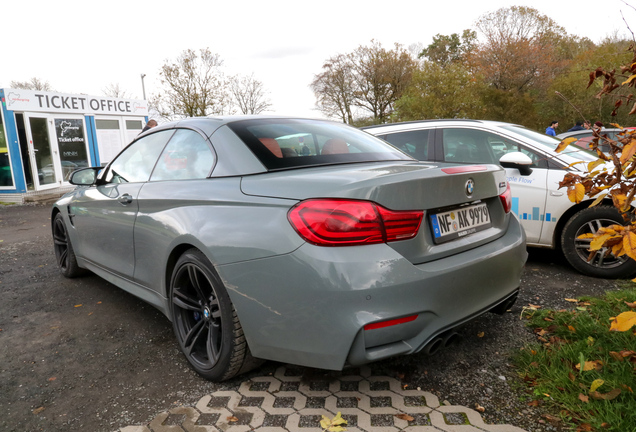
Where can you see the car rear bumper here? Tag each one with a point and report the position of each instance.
(310, 307)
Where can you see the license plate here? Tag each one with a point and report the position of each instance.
(459, 222)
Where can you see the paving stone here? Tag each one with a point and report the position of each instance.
(288, 402)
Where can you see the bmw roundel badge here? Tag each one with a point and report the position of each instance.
(470, 187)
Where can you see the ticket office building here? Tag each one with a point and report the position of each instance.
(45, 136)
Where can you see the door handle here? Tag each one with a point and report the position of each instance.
(556, 193)
(125, 199)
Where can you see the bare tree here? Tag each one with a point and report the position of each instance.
(114, 90)
(370, 78)
(193, 85)
(334, 88)
(381, 76)
(249, 94)
(33, 84)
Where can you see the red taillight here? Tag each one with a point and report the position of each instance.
(390, 323)
(339, 222)
(506, 198)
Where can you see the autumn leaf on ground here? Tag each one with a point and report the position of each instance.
(631, 305)
(480, 334)
(596, 384)
(606, 396)
(405, 417)
(38, 410)
(479, 408)
(584, 398)
(79, 305)
(572, 329)
(232, 419)
(616, 356)
(333, 425)
(589, 365)
(624, 322)
(571, 300)
(52, 379)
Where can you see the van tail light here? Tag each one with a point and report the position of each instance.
(341, 222)
(506, 198)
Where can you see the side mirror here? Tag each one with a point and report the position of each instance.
(84, 176)
(518, 161)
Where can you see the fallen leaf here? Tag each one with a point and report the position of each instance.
(551, 419)
(534, 306)
(480, 334)
(571, 300)
(79, 305)
(52, 379)
(613, 394)
(534, 403)
(333, 425)
(480, 408)
(405, 417)
(631, 305)
(581, 308)
(232, 419)
(584, 427)
(616, 356)
(590, 341)
(590, 365)
(624, 322)
(38, 410)
(596, 384)
(572, 329)
(571, 376)
(99, 302)
(584, 398)
(628, 388)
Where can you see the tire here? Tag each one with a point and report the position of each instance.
(64, 254)
(205, 322)
(602, 264)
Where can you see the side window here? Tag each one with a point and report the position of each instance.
(538, 161)
(470, 146)
(415, 143)
(187, 156)
(136, 162)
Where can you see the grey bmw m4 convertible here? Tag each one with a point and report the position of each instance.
(295, 240)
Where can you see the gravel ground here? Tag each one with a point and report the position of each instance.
(82, 354)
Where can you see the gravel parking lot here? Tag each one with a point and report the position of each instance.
(84, 355)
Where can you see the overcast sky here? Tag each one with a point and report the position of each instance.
(81, 47)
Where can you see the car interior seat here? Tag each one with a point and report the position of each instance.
(272, 146)
(334, 146)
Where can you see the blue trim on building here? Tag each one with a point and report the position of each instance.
(14, 150)
(91, 136)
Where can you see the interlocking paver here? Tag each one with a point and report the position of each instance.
(287, 402)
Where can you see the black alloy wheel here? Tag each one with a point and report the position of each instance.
(64, 254)
(205, 321)
(599, 263)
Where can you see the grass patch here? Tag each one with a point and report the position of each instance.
(600, 396)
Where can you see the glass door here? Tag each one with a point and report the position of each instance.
(43, 153)
(57, 147)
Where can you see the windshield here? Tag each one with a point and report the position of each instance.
(549, 143)
(290, 143)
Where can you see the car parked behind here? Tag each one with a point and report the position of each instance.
(549, 218)
(300, 241)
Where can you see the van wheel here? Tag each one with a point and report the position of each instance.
(602, 264)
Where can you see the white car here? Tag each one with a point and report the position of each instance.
(549, 218)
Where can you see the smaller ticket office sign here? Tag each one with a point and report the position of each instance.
(40, 101)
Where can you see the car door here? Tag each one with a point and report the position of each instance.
(104, 214)
(470, 145)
